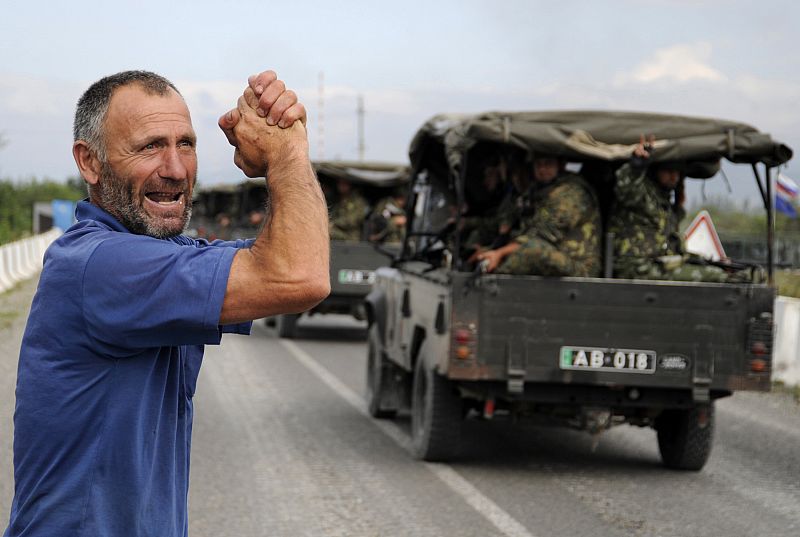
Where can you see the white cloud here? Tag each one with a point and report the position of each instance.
(35, 95)
(678, 63)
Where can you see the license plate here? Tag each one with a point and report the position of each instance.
(356, 276)
(595, 359)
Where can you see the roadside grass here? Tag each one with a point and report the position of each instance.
(6, 318)
(793, 391)
(788, 283)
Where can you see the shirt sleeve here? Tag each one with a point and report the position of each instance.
(630, 189)
(141, 292)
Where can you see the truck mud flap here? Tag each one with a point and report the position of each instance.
(703, 360)
(516, 358)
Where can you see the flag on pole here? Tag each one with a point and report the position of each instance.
(786, 192)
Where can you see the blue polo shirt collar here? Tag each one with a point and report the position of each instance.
(87, 210)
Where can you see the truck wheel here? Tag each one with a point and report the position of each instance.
(379, 379)
(287, 325)
(436, 415)
(685, 437)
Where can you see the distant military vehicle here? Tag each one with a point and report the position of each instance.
(227, 211)
(352, 262)
(448, 342)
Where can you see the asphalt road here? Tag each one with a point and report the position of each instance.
(283, 447)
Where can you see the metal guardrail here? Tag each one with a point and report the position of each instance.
(20, 260)
(786, 253)
(786, 349)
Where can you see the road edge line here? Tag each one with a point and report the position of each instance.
(492, 512)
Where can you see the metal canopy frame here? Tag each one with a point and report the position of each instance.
(765, 187)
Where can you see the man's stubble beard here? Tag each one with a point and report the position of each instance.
(117, 197)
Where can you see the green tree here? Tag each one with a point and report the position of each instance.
(17, 199)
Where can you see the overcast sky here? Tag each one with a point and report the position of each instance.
(409, 60)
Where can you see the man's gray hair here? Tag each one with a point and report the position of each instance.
(93, 105)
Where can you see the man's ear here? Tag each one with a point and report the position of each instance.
(87, 161)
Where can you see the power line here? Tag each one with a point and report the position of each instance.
(360, 112)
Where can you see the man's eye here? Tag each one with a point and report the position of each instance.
(148, 147)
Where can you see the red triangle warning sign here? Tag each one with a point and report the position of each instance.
(702, 239)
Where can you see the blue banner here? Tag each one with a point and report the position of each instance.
(63, 214)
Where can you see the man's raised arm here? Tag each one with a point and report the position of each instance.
(286, 269)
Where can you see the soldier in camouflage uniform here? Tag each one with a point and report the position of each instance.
(506, 184)
(388, 220)
(648, 208)
(560, 236)
(348, 214)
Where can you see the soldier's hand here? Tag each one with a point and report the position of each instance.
(644, 149)
(476, 254)
(493, 258)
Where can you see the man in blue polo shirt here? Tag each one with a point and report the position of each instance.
(125, 303)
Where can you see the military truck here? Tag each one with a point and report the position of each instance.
(352, 262)
(448, 342)
(226, 211)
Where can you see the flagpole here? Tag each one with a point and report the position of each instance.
(770, 225)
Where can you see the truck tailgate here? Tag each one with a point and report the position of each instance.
(642, 333)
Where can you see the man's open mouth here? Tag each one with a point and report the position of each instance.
(165, 198)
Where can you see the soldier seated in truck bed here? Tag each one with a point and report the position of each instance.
(387, 220)
(481, 218)
(562, 235)
(648, 206)
(348, 213)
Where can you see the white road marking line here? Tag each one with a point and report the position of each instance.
(499, 518)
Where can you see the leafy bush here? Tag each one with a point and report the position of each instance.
(17, 199)
(788, 283)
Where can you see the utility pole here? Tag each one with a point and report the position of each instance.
(321, 118)
(360, 113)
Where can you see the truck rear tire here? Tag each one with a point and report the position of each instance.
(685, 437)
(379, 378)
(286, 325)
(436, 415)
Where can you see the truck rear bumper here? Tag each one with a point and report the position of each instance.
(619, 398)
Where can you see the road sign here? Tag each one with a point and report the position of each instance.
(702, 239)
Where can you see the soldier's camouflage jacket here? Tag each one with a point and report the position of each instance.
(644, 222)
(561, 235)
(347, 217)
(382, 227)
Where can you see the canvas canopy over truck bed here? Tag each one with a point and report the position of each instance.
(445, 143)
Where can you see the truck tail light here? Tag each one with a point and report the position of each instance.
(462, 336)
(759, 343)
(463, 352)
(464, 341)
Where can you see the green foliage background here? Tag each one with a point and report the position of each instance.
(17, 199)
(734, 223)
